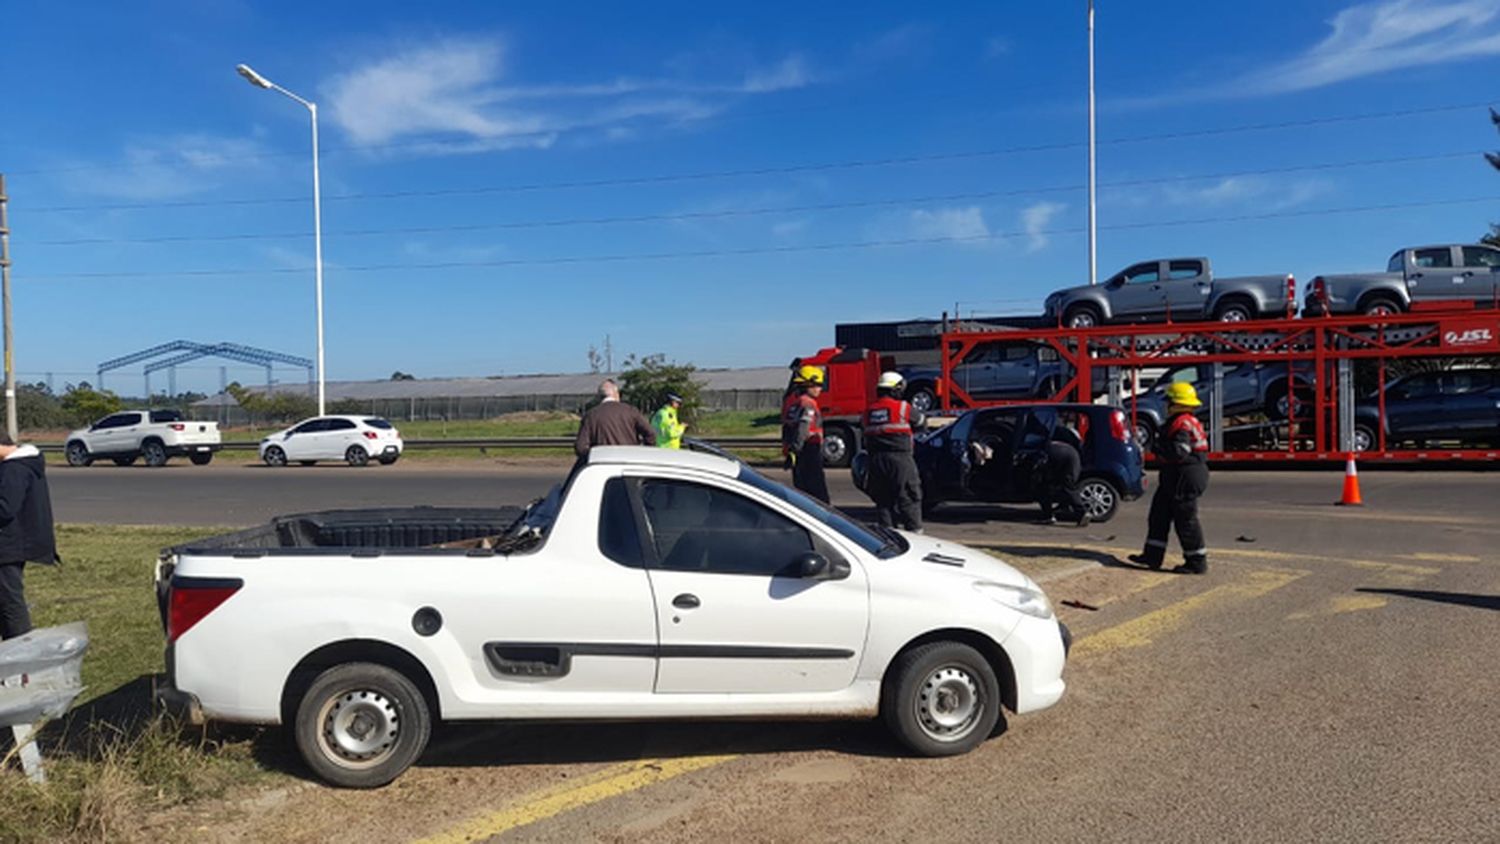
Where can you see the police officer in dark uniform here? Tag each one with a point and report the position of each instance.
(802, 433)
(1183, 451)
(893, 482)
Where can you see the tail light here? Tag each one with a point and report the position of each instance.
(177, 426)
(1117, 427)
(371, 435)
(191, 599)
(1291, 295)
(1320, 289)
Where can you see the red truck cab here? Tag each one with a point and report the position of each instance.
(849, 377)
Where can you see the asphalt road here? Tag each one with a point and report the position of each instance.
(1331, 679)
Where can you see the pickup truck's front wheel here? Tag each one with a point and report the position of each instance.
(78, 454)
(1082, 316)
(360, 725)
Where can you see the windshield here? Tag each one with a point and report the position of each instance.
(886, 543)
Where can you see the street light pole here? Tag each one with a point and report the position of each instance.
(10, 362)
(1093, 200)
(312, 109)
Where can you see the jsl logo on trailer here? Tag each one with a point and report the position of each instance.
(1470, 336)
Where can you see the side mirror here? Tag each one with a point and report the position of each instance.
(815, 566)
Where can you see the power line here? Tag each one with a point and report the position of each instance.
(765, 250)
(764, 171)
(748, 212)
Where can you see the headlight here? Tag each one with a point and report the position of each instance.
(1019, 598)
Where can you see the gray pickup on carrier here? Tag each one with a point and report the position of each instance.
(1173, 288)
(1449, 273)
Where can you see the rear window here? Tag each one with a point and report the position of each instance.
(1434, 258)
(1185, 269)
(166, 416)
(378, 423)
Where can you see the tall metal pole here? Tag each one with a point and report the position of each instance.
(1093, 199)
(10, 360)
(318, 254)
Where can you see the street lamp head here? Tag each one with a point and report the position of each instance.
(252, 77)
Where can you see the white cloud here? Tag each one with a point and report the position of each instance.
(1379, 37)
(170, 167)
(949, 224)
(1034, 221)
(1259, 192)
(453, 96)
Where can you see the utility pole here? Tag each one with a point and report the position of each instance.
(10, 359)
(609, 355)
(1093, 200)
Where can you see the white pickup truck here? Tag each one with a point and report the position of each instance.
(150, 435)
(651, 584)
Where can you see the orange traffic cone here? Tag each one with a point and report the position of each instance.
(1351, 486)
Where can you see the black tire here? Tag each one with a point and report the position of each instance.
(1234, 310)
(1365, 438)
(201, 458)
(360, 725)
(274, 456)
(1100, 497)
(922, 397)
(1380, 305)
(1279, 402)
(941, 699)
(356, 456)
(306, 462)
(1145, 433)
(154, 453)
(388, 460)
(839, 446)
(124, 461)
(78, 454)
(1082, 316)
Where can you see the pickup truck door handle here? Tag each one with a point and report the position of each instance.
(686, 601)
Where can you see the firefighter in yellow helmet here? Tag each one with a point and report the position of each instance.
(802, 432)
(1183, 453)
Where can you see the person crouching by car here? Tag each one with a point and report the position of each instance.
(1060, 471)
(26, 531)
(893, 481)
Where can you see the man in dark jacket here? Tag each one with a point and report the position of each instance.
(25, 529)
(893, 482)
(612, 422)
(1183, 452)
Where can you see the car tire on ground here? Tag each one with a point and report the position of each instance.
(201, 458)
(1082, 316)
(78, 454)
(838, 446)
(360, 725)
(154, 453)
(274, 456)
(941, 699)
(124, 461)
(1100, 497)
(356, 456)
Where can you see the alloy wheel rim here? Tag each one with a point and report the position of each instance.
(1098, 497)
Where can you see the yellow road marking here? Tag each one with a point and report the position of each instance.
(1142, 630)
(1430, 557)
(602, 785)
(1343, 604)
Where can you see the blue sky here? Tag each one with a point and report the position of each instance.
(486, 167)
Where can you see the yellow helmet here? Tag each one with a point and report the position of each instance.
(810, 375)
(1182, 394)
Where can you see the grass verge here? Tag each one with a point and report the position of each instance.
(112, 763)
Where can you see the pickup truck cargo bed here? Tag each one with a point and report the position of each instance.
(375, 528)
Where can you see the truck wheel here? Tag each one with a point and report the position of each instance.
(124, 461)
(356, 456)
(274, 456)
(154, 453)
(1235, 310)
(1364, 438)
(1100, 498)
(1082, 316)
(941, 699)
(922, 397)
(360, 725)
(838, 446)
(78, 454)
(1380, 306)
(201, 458)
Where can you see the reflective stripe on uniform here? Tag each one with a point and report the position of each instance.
(1156, 543)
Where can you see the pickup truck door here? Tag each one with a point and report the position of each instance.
(1481, 269)
(978, 374)
(1434, 276)
(1187, 289)
(1137, 292)
(733, 614)
(1016, 371)
(122, 435)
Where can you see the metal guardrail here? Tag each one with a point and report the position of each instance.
(490, 442)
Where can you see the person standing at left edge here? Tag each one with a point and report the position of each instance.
(893, 482)
(1183, 453)
(669, 429)
(26, 532)
(802, 433)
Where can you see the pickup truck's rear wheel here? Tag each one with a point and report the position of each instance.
(941, 699)
(154, 453)
(1379, 306)
(78, 454)
(202, 458)
(1082, 316)
(356, 456)
(1234, 310)
(922, 397)
(360, 725)
(274, 456)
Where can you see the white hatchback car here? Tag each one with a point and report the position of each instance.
(355, 440)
